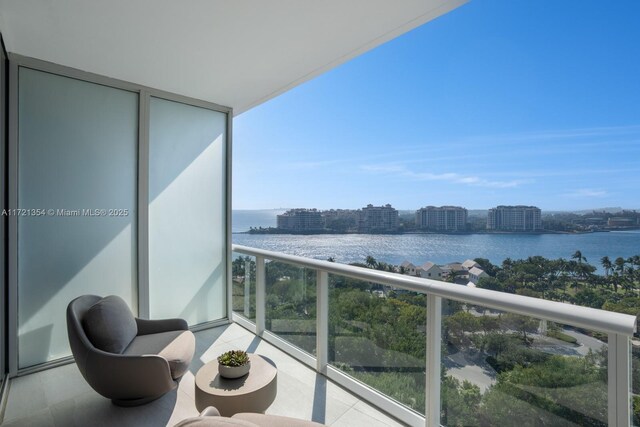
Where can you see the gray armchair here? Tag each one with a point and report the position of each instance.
(128, 360)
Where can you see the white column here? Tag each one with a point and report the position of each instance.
(247, 289)
(434, 339)
(260, 295)
(619, 366)
(322, 319)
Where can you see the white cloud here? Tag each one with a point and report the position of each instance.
(586, 192)
(453, 177)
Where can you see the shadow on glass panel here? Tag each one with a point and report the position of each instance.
(507, 369)
(199, 305)
(36, 345)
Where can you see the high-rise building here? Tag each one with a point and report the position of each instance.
(443, 218)
(378, 219)
(300, 220)
(514, 218)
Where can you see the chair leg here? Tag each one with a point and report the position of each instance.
(143, 400)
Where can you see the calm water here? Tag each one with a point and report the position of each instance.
(438, 248)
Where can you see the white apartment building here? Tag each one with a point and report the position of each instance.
(300, 220)
(443, 218)
(514, 218)
(380, 219)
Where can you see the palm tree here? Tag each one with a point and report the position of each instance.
(628, 283)
(620, 263)
(606, 264)
(451, 276)
(618, 273)
(371, 262)
(577, 255)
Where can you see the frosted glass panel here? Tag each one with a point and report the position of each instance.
(186, 212)
(77, 157)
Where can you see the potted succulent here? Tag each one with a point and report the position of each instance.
(234, 364)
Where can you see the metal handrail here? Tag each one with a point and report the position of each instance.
(585, 317)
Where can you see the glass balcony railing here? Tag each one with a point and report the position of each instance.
(290, 304)
(501, 366)
(379, 343)
(243, 285)
(433, 353)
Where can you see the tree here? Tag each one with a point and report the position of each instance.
(606, 264)
(460, 402)
(487, 266)
(520, 324)
(459, 325)
(371, 262)
(490, 283)
(568, 391)
(577, 255)
(620, 264)
(240, 264)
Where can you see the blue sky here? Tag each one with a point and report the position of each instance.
(497, 102)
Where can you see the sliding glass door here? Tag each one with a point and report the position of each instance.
(77, 187)
(187, 231)
(116, 191)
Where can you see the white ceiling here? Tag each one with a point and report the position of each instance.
(236, 53)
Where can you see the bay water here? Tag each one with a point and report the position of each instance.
(437, 248)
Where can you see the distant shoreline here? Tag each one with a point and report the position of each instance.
(274, 231)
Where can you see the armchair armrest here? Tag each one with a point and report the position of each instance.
(146, 327)
(123, 377)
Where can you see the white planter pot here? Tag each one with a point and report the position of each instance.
(234, 371)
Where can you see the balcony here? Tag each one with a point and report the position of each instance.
(94, 119)
(434, 353)
(338, 370)
(61, 397)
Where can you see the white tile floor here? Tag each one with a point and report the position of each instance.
(60, 397)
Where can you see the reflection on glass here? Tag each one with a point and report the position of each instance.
(291, 304)
(243, 271)
(506, 369)
(378, 335)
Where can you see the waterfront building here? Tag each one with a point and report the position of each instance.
(469, 264)
(454, 268)
(621, 222)
(475, 274)
(514, 218)
(409, 268)
(300, 220)
(443, 218)
(430, 270)
(378, 219)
